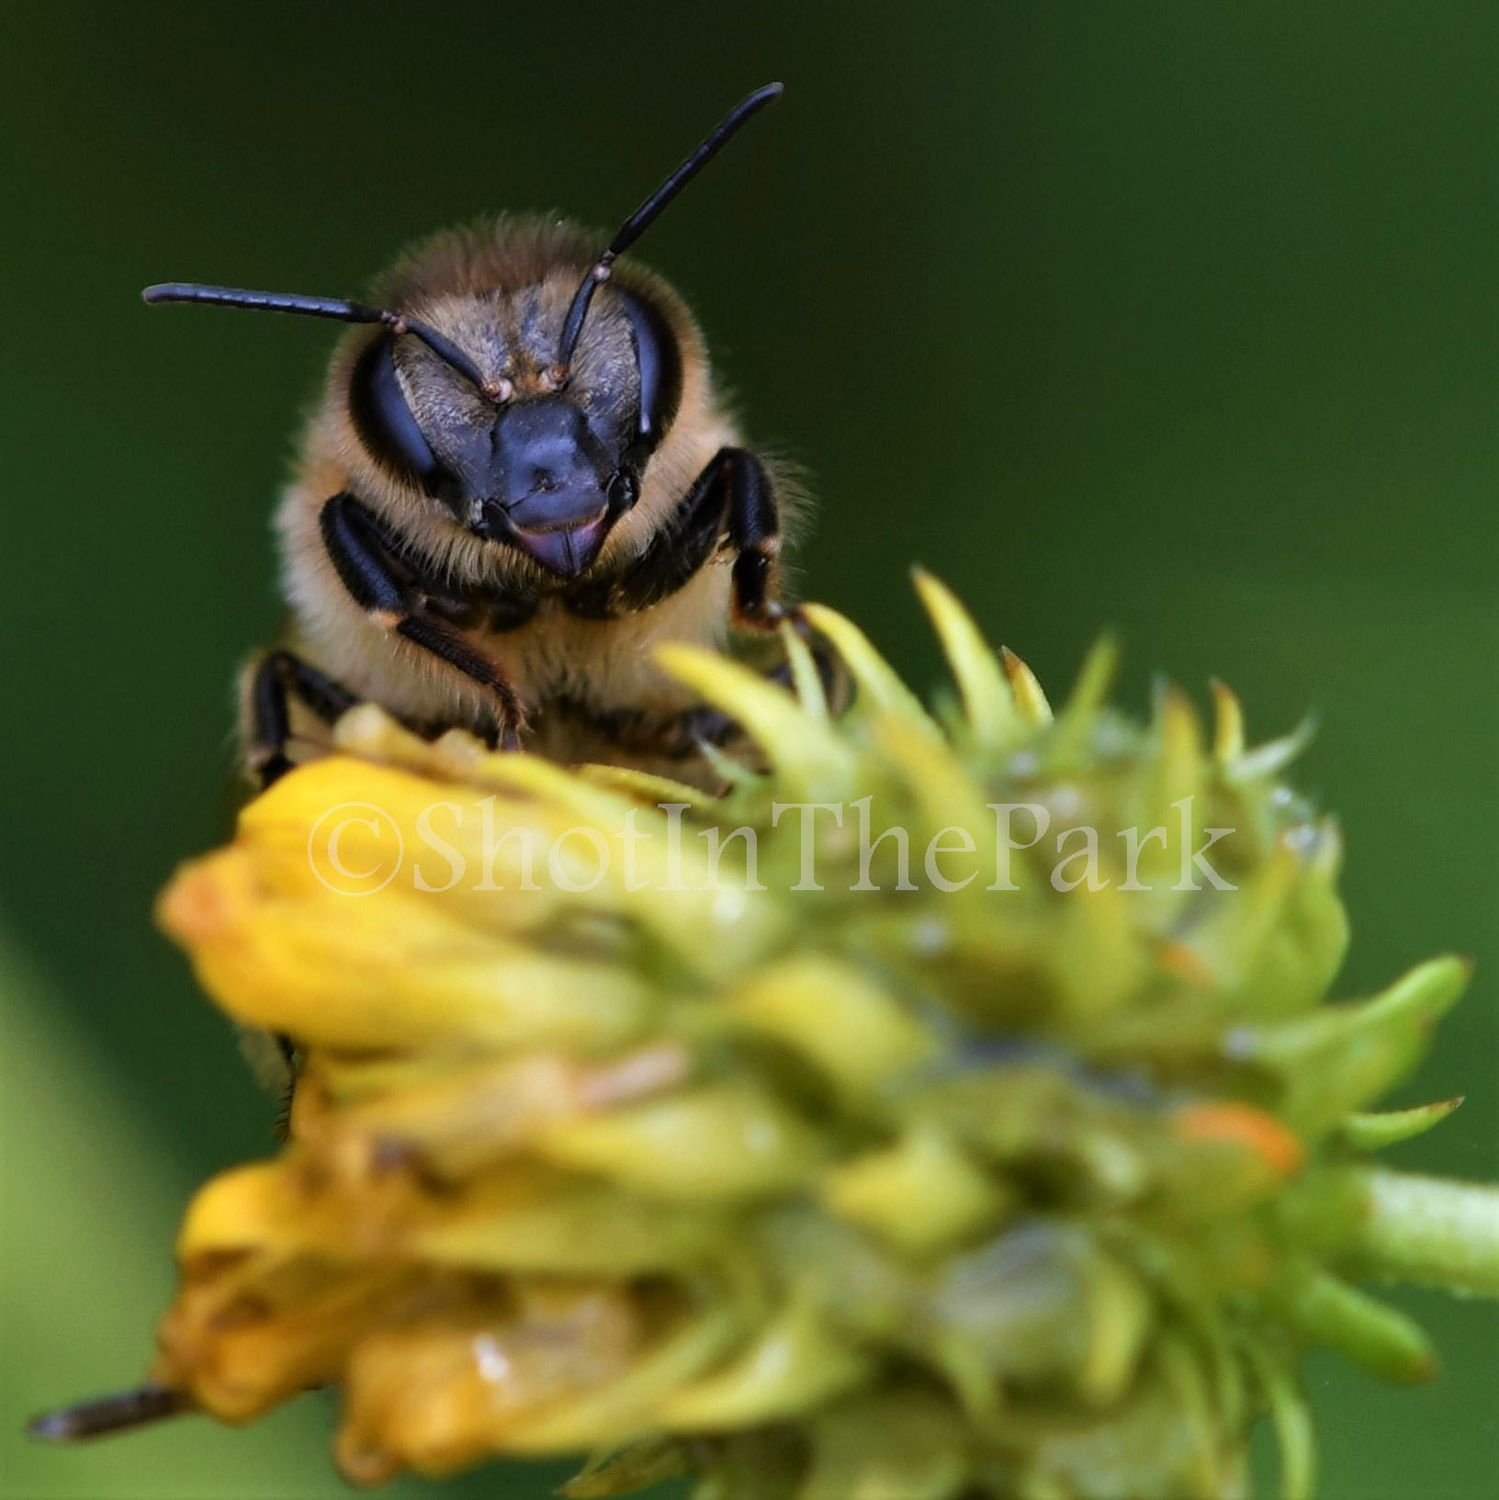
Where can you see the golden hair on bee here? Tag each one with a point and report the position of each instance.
(518, 480)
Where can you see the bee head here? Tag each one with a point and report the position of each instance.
(525, 455)
(532, 412)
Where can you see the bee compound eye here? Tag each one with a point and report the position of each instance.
(386, 424)
(658, 362)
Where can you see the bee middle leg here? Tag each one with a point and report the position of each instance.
(754, 525)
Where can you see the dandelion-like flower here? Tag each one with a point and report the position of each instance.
(726, 1134)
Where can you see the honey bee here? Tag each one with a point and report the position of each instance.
(519, 478)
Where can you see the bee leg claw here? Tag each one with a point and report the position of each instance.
(269, 769)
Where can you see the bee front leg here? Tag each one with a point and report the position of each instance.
(363, 559)
(754, 525)
(732, 498)
(277, 677)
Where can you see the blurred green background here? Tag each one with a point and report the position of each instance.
(1180, 317)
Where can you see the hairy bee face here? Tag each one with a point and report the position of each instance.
(542, 464)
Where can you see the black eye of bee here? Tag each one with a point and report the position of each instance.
(385, 421)
(659, 362)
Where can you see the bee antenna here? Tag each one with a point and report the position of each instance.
(648, 213)
(91, 1419)
(324, 307)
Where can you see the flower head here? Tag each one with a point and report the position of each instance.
(951, 1107)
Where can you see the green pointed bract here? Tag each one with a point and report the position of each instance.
(1329, 1311)
(986, 1129)
(1342, 1057)
(1377, 1129)
(988, 703)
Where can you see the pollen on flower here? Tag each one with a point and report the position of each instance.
(992, 1137)
(1243, 1125)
